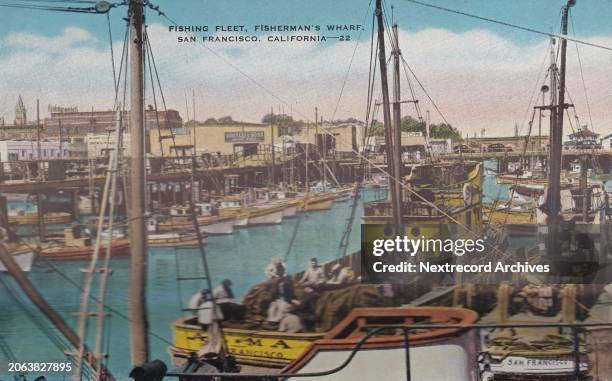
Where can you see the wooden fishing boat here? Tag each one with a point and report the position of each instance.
(231, 206)
(215, 225)
(443, 195)
(172, 239)
(31, 218)
(290, 199)
(22, 255)
(528, 190)
(526, 177)
(291, 208)
(453, 347)
(155, 238)
(316, 202)
(266, 214)
(77, 244)
(180, 218)
(256, 347)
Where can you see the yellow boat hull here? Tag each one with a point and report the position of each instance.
(260, 348)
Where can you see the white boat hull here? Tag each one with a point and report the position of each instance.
(267, 219)
(24, 260)
(218, 228)
(424, 364)
(241, 222)
(290, 211)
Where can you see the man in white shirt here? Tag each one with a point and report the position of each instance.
(202, 306)
(313, 275)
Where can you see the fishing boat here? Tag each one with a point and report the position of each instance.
(442, 194)
(270, 214)
(528, 190)
(155, 238)
(453, 347)
(231, 206)
(316, 202)
(23, 256)
(295, 350)
(524, 177)
(261, 213)
(545, 355)
(180, 218)
(290, 199)
(31, 218)
(291, 208)
(77, 244)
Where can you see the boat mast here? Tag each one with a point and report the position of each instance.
(382, 56)
(138, 243)
(397, 119)
(556, 138)
(323, 158)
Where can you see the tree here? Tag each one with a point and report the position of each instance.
(226, 120)
(282, 120)
(410, 124)
(444, 131)
(211, 121)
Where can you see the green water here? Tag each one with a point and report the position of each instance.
(240, 257)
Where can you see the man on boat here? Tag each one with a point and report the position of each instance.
(202, 306)
(276, 269)
(223, 293)
(313, 275)
(224, 297)
(291, 322)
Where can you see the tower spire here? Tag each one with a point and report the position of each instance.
(20, 112)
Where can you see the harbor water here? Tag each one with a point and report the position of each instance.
(241, 257)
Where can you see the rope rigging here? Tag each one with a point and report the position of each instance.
(504, 23)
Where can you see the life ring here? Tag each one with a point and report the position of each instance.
(468, 191)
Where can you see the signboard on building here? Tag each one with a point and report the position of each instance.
(244, 137)
(411, 134)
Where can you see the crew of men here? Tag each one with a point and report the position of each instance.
(285, 311)
(294, 315)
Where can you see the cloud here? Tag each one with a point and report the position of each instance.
(479, 79)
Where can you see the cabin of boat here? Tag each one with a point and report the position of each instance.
(31, 218)
(77, 244)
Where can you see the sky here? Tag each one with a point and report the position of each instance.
(480, 75)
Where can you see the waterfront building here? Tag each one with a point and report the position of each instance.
(345, 137)
(18, 150)
(99, 144)
(225, 139)
(71, 122)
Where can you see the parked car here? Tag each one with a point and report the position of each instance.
(498, 147)
(462, 148)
